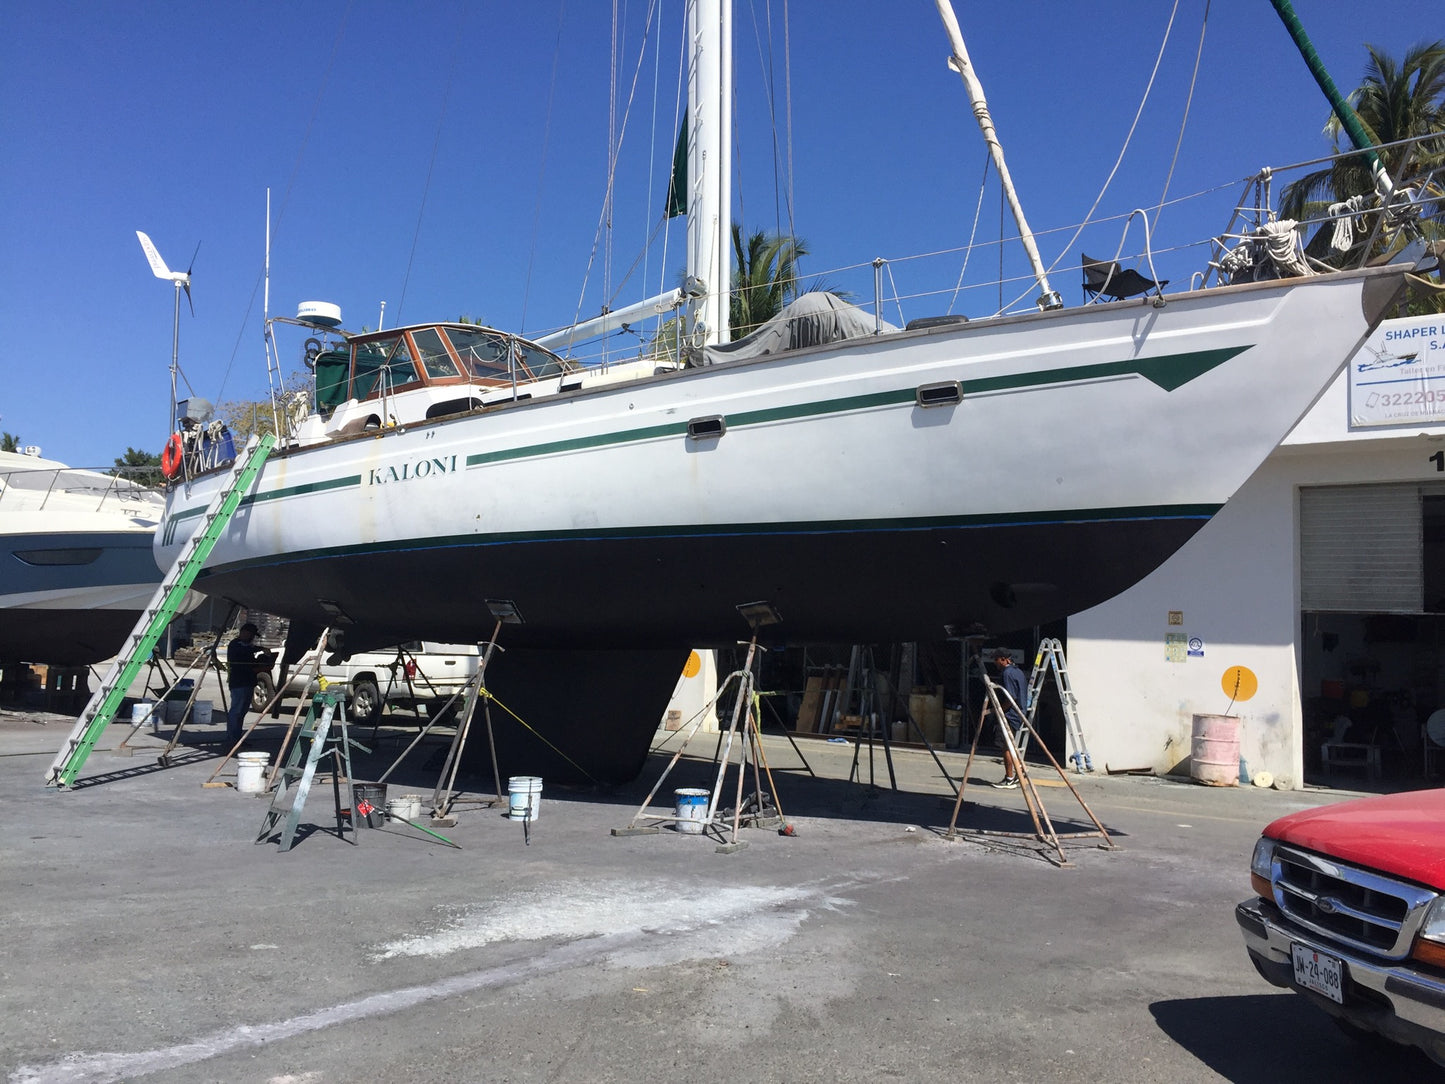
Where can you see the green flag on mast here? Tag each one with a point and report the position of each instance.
(677, 186)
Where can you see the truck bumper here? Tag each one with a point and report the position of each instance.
(1394, 1000)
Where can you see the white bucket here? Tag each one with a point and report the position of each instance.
(524, 797)
(251, 772)
(201, 712)
(406, 807)
(143, 712)
(691, 810)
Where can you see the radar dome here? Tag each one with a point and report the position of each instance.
(319, 313)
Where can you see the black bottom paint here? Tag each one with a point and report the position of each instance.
(597, 600)
(572, 716)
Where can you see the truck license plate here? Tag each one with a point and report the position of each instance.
(1318, 972)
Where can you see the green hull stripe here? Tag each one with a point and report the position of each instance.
(309, 487)
(277, 494)
(1169, 372)
(919, 523)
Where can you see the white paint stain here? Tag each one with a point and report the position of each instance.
(622, 923)
(569, 911)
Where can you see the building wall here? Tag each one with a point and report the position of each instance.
(1236, 585)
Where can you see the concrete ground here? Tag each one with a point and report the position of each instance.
(148, 937)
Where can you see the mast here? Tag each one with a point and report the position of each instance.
(709, 225)
(1349, 119)
(959, 62)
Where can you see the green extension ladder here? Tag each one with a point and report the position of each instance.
(157, 615)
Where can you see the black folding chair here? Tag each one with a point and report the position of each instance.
(1105, 280)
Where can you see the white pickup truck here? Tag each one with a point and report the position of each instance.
(419, 673)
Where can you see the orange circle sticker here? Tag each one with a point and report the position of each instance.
(1239, 683)
(693, 666)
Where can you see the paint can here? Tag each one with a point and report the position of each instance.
(1214, 748)
(143, 712)
(251, 772)
(177, 699)
(201, 712)
(374, 795)
(406, 807)
(690, 810)
(524, 797)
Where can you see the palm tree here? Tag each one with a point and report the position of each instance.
(1397, 101)
(765, 278)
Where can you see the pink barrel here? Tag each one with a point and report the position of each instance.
(1215, 750)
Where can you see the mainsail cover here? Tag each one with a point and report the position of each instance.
(810, 320)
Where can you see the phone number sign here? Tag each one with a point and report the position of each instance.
(1398, 377)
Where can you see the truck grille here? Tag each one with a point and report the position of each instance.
(1365, 910)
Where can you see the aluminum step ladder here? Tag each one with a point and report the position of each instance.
(164, 604)
(1050, 658)
(318, 739)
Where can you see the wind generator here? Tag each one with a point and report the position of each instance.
(182, 279)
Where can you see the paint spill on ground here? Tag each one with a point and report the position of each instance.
(623, 923)
(572, 910)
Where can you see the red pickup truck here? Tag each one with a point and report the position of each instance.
(1350, 912)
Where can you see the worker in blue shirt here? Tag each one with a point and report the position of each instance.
(244, 657)
(1013, 682)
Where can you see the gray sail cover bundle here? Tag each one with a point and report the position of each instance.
(811, 320)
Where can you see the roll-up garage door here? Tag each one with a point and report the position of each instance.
(1361, 548)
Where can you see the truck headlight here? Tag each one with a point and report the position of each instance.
(1430, 942)
(1261, 865)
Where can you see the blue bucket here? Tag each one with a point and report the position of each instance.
(691, 810)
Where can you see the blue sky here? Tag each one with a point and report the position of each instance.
(450, 157)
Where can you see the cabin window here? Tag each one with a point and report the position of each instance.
(435, 360)
(538, 362)
(399, 366)
(483, 352)
(367, 363)
(391, 355)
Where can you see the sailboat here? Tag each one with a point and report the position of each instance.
(855, 482)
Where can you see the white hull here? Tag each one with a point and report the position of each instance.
(1098, 424)
(74, 567)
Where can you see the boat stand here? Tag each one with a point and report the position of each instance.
(444, 796)
(208, 662)
(1045, 835)
(315, 676)
(761, 809)
(862, 675)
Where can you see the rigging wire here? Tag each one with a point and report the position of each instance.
(783, 215)
(1148, 88)
(788, 105)
(601, 238)
(972, 233)
(1158, 60)
(286, 195)
(678, 113)
(651, 189)
(1184, 120)
(613, 149)
(542, 166)
(430, 169)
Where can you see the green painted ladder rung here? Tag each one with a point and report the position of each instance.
(106, 700)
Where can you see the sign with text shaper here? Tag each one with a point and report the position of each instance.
(1398, 376)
